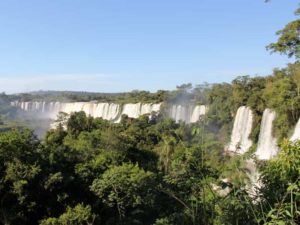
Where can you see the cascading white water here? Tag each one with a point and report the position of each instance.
(240, 142)
(296, 134)
(138, 109)
(198, 111)
(180, 113)
(43, 106)
(174, 112)
(108, 111)
(267, 144)
(132, 110)
(187, 114)
(112, 111)
(254, 183)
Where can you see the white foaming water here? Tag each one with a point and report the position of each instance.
(43, 106)
(176, 113)
(254, 183)
(296, 135)
(132, 110)
(198, 111)
(187, 114)
(267, 144)
(138, 109)
(240, 142)
(108, 111)
(112, 111)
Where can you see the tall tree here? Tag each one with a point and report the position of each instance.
(288, 42)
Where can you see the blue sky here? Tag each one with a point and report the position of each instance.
(122, 45)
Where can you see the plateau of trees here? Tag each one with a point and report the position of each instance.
(72, 96)
(140, 171)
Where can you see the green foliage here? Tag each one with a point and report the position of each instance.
(69, 96)
(19, 171)
(281, 93)
(288, 41)
(236, 208)
(79, 215)
(115, 169)
(79, 122)
(141, 171)
(124, 186)
(281, 177)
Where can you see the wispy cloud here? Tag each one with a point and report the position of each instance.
(25, 83)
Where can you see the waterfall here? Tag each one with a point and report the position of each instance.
(198, 111)
(187, 114)
(132, 110)
(296, 135)
(242, 127)
(267, 144)
(254, 183)
(111, 111)
(138, 109)
(108, 111)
